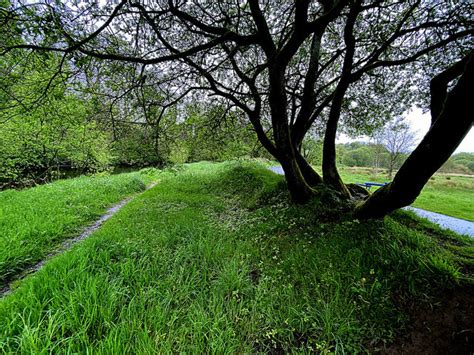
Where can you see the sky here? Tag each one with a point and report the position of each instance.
(420, 122)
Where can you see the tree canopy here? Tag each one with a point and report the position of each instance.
(290, 67)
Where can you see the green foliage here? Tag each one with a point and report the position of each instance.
(312, 151)
(461, 163)
(37, 141)
(211, 133)
(358, 157)
(361, 154)
(193, 137)
(179, 153)
(470, 165)
(187, 267)
(135, 145)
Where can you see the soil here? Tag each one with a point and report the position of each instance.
(444, 328)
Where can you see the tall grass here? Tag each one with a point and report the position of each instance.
(33, 221)
(215, 260)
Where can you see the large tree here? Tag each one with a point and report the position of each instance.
(289, 66)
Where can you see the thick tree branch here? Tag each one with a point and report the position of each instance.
(219, 31)
(439, 87)
(330, 173)
(265, 38)
(453, 123)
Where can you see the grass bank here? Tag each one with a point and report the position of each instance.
(34, 221)
(450, 195)
(215, 260)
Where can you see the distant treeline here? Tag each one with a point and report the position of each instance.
(377, 156)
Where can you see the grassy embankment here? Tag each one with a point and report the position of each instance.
(216, 260)
(447, 194)
(34, 221)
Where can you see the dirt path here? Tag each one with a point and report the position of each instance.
(69, 243)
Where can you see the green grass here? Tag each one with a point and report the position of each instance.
(446, 194)
(450, 195)
(34, 221)
(215, 260)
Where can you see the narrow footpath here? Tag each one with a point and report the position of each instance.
(69, 243)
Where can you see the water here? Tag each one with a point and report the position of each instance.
(277, 170)
(460, 226)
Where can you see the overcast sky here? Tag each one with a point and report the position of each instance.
(420, 123)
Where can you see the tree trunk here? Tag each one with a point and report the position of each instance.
(310, 176)
(286, 153)
(300, 190)
(391, 166)
(448, 130)
(330, 174)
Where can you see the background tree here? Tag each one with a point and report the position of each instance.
(39, 142)
(398, 139)
(361, 156)
(463, 162)
(450, 123)
(312, 150)
(379, 153)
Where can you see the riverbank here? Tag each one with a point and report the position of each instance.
(64, 173)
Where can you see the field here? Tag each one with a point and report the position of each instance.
(451, 195)
(214, 259)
